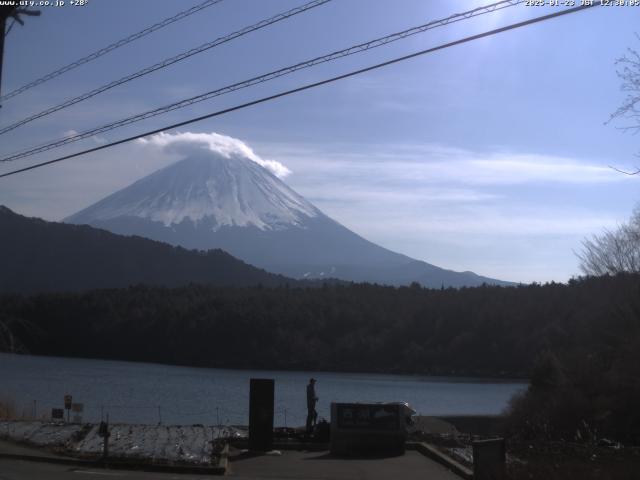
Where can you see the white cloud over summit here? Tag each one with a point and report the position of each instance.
(184, 142)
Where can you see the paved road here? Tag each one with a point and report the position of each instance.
(291, 465)
(16, 449)
(321, 466)
(21, 470)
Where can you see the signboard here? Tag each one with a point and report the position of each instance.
(77, 407)
(368, 427)
(369, 416)
(67, 402)
(57, 414)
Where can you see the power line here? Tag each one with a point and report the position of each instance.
(169, 61)
(109, 48)
(378, 42)
(13, 22)
(311, 85)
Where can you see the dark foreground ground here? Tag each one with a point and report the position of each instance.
(526, 460)
(21, 470)
(289, 465)
(552, 460)
(294, 465)
(566, 461)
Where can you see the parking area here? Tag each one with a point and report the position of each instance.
(293, 465)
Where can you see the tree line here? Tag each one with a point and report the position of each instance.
(578, 342)
(487, 330)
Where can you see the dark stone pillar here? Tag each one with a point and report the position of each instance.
(489, 459)
(261, 400)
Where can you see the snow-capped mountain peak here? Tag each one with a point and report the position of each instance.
(223, 190)
(222, 195)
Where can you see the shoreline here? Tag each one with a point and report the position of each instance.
(459, 377)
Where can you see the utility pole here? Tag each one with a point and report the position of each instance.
(14, 12)
(4, 14)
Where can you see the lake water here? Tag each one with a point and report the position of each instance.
(149, 393)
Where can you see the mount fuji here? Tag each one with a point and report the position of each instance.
(228, 201)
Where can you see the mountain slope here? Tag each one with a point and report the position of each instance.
(210, 200)
(235, 193)
(39, 256)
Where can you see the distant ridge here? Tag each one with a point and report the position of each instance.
(41, 256)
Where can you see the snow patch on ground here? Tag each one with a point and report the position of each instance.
(463, 453)
(172, 443)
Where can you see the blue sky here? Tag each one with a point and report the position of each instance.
(490, 156)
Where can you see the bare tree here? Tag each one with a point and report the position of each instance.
(614, 251)
(629, 73)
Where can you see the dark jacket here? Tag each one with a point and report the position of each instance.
(311, 396)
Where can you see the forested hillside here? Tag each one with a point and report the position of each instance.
(40, 256)
(488, 330)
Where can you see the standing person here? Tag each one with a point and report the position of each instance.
(312, 415)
